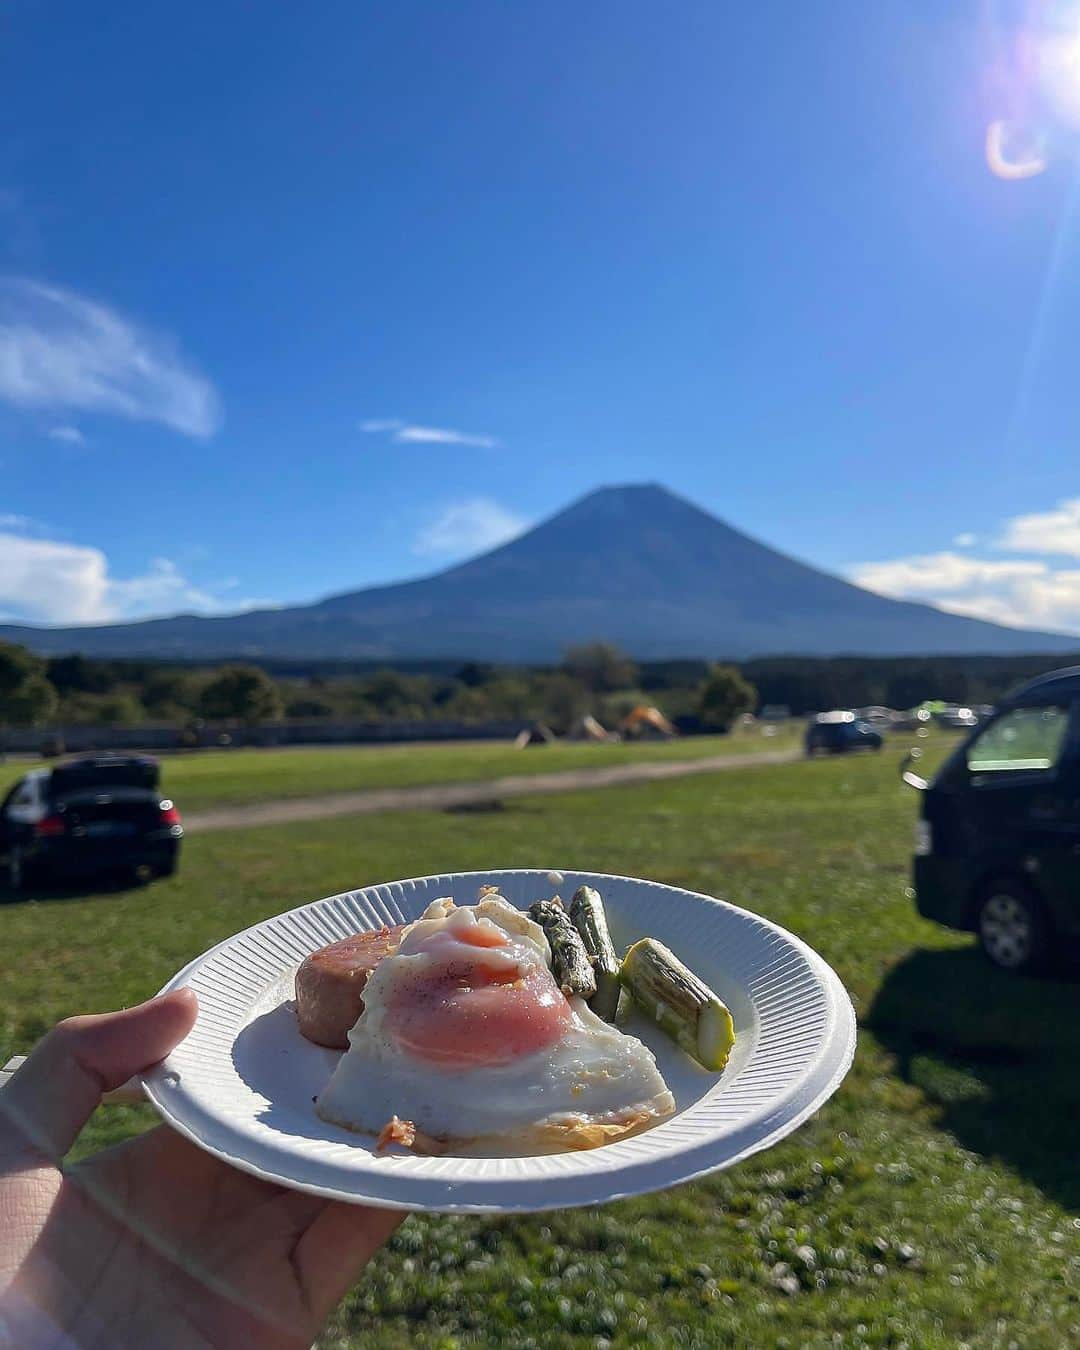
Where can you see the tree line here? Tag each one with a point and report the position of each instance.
(809, 684)
(593, 678)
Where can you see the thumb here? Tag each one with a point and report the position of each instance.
(52, 1096)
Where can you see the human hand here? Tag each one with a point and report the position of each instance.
(153, 1243)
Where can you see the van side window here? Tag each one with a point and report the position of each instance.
(1026, 738)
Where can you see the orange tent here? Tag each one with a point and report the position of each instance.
(645, 721)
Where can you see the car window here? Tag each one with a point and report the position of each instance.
(23, 795)
(1026, 738)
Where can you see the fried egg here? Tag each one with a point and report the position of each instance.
(466, 1034)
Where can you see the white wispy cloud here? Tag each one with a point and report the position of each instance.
(67, 435)
(60, 350)
(465, 527)
(13, 520)
(54, 581)
(50, 581)
(1023, 593)
(1055, 531)
(444, 436)
(932, 574)
(405, 433)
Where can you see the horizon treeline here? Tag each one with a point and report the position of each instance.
(595, 678)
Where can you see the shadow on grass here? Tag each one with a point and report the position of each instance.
(70, 890)
(996, 1053)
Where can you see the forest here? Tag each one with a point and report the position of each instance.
(594, 678)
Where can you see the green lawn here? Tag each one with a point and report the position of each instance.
(212, 778)
(935, 1200)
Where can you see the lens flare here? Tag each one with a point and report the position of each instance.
(1034, 86)
(1014, 152)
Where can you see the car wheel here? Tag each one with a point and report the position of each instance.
(1012, 928)
(16, 871)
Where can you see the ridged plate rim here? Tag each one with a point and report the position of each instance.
(796, 1062)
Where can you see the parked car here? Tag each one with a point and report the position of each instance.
(997, 843)
(89, 816)
(880, 718)
(835, 733)
(956, 718)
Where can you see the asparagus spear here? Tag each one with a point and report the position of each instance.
(569, 960)
(587, 916)
(678, 1002)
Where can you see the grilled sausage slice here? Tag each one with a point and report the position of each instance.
(330, 984)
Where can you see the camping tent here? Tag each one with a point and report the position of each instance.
(537, 734)
(644, 722)
(587, 728)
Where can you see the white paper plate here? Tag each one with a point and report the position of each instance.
(241, 1084)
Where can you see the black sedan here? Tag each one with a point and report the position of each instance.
(90, 816)
(835, 733)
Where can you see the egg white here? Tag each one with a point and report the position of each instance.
(595, 1083)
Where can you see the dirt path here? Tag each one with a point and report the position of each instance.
(439, 796)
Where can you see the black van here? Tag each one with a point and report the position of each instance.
(997, 847)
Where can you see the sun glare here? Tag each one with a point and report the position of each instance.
(1059, 75)
(1037, 80)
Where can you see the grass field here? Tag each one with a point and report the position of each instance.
(934, 1201)
(212, 778)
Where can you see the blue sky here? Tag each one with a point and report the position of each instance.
(296, 299)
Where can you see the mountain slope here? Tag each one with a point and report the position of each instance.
(634, 565)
